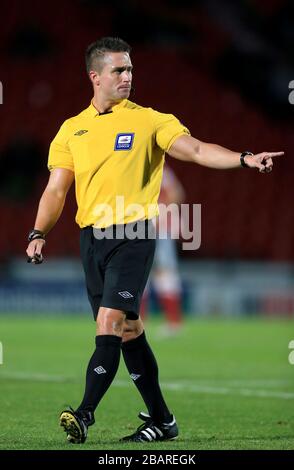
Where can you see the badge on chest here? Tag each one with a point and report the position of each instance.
(124, 141)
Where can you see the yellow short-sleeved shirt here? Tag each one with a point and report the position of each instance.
(117, 159)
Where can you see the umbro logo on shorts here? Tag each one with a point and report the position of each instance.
(124, 141)
(100, 370)
(81, 132)
(125, 294)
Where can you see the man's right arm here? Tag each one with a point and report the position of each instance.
(50, 206)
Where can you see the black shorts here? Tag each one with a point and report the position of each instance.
(117, 269)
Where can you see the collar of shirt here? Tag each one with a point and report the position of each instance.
(93, 111)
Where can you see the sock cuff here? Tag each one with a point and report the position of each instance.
(134, 343)
(108, 340)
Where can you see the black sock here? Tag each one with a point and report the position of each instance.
(101, 370)
(143, 369)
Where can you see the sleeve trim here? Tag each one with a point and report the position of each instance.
(179, 134)
(62, 166)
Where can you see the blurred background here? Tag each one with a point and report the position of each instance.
(223, 68)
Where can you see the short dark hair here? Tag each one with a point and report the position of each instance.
(96, 51)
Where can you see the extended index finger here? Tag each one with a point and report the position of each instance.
(273, 154)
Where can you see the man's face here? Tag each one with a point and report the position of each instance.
(115, 79)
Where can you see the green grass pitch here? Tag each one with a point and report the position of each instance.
(229, 383)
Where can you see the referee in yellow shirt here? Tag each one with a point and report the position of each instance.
(114, 151)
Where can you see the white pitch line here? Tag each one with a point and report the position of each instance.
(272, 383)
(230, 391)
(177, 386)
(174, 386)
(27, 376)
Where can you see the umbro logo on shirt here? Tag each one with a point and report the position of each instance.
(81, 132)
(125, 294)
(124, 141)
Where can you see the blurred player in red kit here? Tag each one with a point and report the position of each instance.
(165, 277)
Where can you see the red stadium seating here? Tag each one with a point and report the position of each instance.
(244, 214)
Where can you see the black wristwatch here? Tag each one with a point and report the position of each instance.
(242, 161)
(35, 234)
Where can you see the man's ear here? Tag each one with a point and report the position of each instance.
(94, 77)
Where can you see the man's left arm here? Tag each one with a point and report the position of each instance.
(189, 149)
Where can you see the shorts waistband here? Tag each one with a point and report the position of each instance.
(138, 229)
(144, 222)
